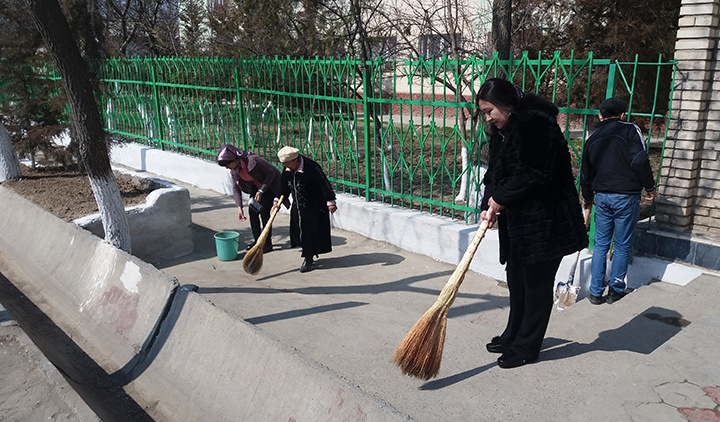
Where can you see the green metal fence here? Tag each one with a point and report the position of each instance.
(404, 132)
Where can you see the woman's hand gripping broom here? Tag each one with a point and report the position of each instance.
(420, 352)
(253, 259)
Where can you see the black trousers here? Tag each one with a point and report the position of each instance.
(267, 202)
(531, 302)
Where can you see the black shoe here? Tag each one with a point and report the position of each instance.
(250, 246)
(306, 265)
(596, 300)
(613, 296)
(267, 248)
(511, 359)
(495, 346)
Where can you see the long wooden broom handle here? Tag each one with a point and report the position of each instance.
(272, 217)
(571, 276)
(447, 296)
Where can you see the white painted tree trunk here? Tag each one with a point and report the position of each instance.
(462, 194)
(53, 27)
(9, 164)
(331, 140)
(112, 211)
(279, 129)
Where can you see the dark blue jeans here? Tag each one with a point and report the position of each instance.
(616, 215)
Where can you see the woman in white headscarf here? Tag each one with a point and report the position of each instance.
(313, 201)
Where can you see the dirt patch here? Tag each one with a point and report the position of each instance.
(68, 195)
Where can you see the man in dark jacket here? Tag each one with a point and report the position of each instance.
(615, 169)
(313, 201)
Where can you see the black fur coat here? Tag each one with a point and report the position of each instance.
(530, 174)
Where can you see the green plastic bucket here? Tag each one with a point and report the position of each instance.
(226, 244)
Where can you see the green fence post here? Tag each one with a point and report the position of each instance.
(241, 108)
(610, 91)
(366, 74)
(156, 104)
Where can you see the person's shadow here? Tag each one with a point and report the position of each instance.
(642, 334)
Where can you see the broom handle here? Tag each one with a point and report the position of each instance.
(274, 212)
(447, 296)
(571, 276)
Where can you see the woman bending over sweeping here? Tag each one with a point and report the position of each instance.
(530, 194)
(258, 178)
(313, 201)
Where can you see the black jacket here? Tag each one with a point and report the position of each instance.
(309, 214)
(530, 174)
(614, 161)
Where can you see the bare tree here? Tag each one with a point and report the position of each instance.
(140, 27)
(451, 27)
(502, 27)
(53, 26)
(9, 164)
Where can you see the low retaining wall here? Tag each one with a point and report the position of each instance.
(159, 228)
(180, 357)
(437, 237)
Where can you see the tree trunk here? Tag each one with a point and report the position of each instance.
(502, 27)
(86, 120)
(9, 164)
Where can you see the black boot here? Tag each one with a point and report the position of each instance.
(307, 264)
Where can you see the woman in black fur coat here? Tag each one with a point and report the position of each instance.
(530, 194)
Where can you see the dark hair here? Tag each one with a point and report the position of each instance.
(499, 92)
(225, 163)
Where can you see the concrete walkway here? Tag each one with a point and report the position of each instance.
(652, 356)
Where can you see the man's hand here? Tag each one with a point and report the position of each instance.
(332, 208)
(651, 195)
(241, 214)
(258, 196)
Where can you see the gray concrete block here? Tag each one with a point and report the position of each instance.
(262, 379)
(159, 228)
(106, 300)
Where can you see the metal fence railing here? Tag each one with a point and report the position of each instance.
(403, 132)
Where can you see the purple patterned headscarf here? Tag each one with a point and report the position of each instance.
(231, 153)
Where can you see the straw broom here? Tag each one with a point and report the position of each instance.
(420, 352)
(253, 259)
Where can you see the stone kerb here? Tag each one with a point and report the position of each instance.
(107, 301)
(177, 354)
(214, 366)
(159, 228)
(436, 237)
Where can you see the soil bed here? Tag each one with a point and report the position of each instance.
(67, 194)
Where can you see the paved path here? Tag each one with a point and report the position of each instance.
(31, 388)
(652, 356)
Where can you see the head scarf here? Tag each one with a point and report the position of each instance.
(231, 153)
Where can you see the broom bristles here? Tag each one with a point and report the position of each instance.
(253, 259)
(420, 352)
